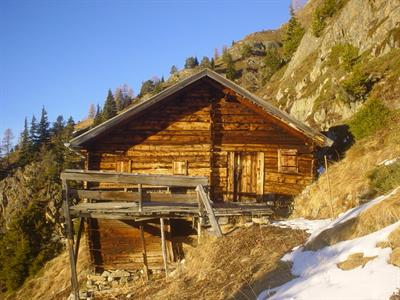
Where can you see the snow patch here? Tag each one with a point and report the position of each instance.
(388, 162)
(320, 278)
(309, 226)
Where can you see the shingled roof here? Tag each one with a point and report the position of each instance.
(318, 137)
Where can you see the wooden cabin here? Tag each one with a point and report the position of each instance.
(207, 126)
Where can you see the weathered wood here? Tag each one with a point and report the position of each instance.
(260, 175)
(140, 192)
(206, 202)
(78, 238)
(163, 246)
(329, 187)
(113, 177)
(70, 241)
(144, 253)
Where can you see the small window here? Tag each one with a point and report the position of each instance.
(287, 161)
(180, 168)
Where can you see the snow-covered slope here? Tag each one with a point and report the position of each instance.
(318, 275)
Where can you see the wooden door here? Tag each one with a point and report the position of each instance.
(245, 176)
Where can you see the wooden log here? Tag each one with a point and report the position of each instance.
(207, 205)
(133, 196)
(144, 253)
(163, 246)
(70, 242)
(113, 177)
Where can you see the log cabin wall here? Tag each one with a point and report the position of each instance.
(209, 131)
(204, 130)
(248, 141)
(173, 136)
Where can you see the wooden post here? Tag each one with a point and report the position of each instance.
(329, 187)
(78, 238)
(163, 246)
(199, 231)
(144, 253)
(199, 221)
(70, 242)
(140, 197)
(211, 216)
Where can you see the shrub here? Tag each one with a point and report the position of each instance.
(273, 62)
(370, 118)
(345, 54)
(385, 178)
(357, 85)
(230, 66)
(245, 50)
(321, 14)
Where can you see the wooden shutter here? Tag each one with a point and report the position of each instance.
(180, 168)
(287, 161)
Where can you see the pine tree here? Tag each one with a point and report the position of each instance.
(43, 129)
(34, 135)
(92, 111)
(147, 87)
(119, 99)
(127, 95)
(24, 155)
(205, 62)
(58, 126)
(212, 64)
(292, 37)
(191, 62)
(110, 108)
(174, 70)
(98, 118)
(230, 66)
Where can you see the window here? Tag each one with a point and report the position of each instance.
(179, 168)
(287, 161)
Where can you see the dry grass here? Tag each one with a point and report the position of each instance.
(53, 281)
(238, 266)
(394, 242)
(375, 218)
(349, 177)
(354, 261)
(84, 124)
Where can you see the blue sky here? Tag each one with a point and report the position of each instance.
(67, 54)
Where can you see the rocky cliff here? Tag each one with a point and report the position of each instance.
(310, 86)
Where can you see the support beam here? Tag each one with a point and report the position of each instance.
(70, 242)
(163, 246)
(140, 191)
(144, 253)
(78, 238)
(210, 212)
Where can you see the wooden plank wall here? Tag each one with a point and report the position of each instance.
(118, 246)
(239, 128)
(201, 127)
(176, 131)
